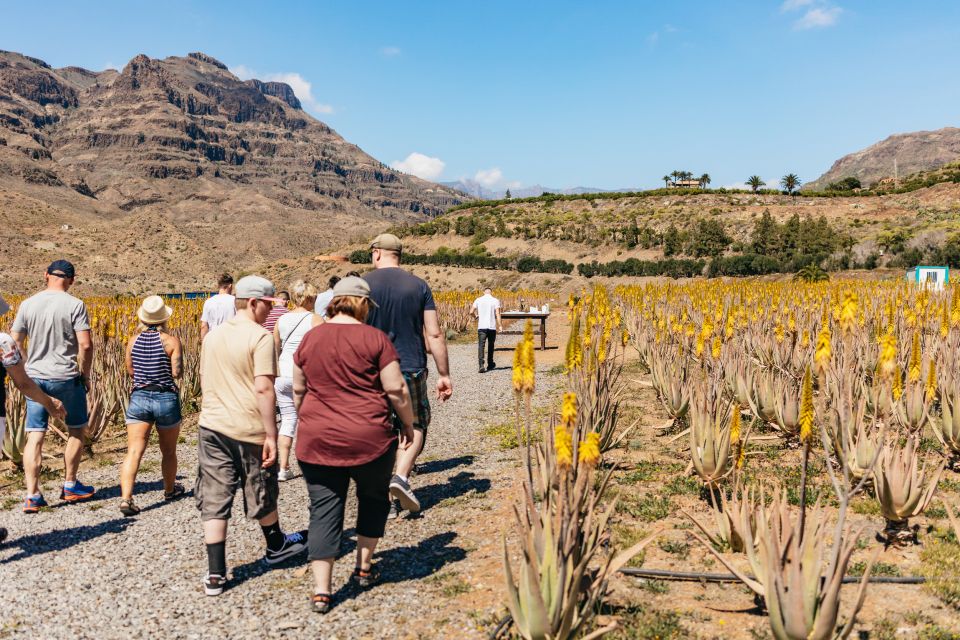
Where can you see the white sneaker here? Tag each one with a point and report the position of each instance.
(284, 474)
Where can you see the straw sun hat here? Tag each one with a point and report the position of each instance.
(154, 311)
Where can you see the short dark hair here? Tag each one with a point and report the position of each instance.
(353, 274)
(284, 294)
(333, 281)
(225, 280)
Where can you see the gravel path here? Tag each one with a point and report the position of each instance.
(84, 571)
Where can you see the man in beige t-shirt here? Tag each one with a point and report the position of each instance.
(238, 431)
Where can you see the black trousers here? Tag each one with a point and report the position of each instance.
(327, 488)
(488, 336)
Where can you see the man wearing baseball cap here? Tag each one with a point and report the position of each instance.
(407, 313)
(58, 360)
(237, 438)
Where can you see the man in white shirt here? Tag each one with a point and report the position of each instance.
(323, 300)
(486, 309)
(218, 308)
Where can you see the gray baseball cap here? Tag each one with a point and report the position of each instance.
(353, 286)
(250, 287)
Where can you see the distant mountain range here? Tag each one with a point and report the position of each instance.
(475, 189)
(180, 163)
(898, 155)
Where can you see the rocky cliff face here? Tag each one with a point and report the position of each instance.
(913, 152)
(236, 166)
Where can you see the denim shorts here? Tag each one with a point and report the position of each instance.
(161, 408)
(73, 396)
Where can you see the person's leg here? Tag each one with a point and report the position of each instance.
(72, 454)
(168, 456)
(491, 341)
(327, 489)
(481, 338)
(407, 458)
(373, 505)
(288, 423)
(32, 451)
(217, 482)
(137, 435)
(74, 397)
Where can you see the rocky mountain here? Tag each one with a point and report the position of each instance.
(902, 154)
(179, 163)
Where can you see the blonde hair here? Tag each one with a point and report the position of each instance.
(301, 291)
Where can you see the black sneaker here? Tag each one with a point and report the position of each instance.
(400, 489)
(213, 584)
(293, 543)
(395, 510)
(482, 370)
(491, 366)
(3, 535)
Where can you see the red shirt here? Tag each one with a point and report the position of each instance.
(345, 415)
(273, 316)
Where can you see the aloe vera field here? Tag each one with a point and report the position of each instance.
(754, 459)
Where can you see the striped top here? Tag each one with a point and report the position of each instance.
(151, 364)
(274, 315)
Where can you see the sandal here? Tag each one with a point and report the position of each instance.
(321, 602)
(366, 578)
(177, 492)
(128, 508)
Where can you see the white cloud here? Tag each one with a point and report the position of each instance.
(420, 165)
(818, 18)
(300, 85)
(488, 177)
(390, 52)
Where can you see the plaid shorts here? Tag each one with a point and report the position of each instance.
(419, 399)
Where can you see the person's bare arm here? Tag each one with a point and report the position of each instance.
(437, 344)
(29, 388)
(473, 310)
(267, 404)
(128, 357)
(204, 330)
(391, 379)
(499, 320)
(176, 355)
(299, 387)
(84, 353)
(277, 343)
(20, 338)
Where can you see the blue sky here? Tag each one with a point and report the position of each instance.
(601, 93)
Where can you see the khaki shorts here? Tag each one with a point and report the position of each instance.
(226, 465)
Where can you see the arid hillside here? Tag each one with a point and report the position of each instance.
(172, 170)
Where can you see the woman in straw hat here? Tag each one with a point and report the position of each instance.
(154, 360)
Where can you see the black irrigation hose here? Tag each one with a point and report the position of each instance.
(662, 574)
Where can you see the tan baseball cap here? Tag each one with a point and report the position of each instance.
(353, 286)
(387, 241)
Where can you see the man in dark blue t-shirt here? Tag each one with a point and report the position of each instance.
(406, 312)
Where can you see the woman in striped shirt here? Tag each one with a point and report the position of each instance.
(155, 361)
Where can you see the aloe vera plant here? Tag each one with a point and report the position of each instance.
(733, 520)
(902, 490)
(710, 447)
(947, 428)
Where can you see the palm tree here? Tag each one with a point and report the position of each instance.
(686, 175)
(811, 273)
(755, 183)
(676, 176)
(666, 180)
(704, 180)
(790, 183)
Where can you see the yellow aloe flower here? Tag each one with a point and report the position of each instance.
(564, 447)
(589, 453)
(806, 407)
(568, 411)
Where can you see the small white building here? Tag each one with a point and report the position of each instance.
(930, 277)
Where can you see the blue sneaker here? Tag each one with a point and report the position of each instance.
(33, 504)
(77, 493)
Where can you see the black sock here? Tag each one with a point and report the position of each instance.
(274, 536)
(217, 559)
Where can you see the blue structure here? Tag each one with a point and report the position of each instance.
(927, 276)
(188, 295)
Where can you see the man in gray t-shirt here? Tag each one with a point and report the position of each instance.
(53, 329)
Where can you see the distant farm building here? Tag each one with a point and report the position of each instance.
(686, 184)
(929, 277)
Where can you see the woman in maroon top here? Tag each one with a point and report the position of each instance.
(346, 377)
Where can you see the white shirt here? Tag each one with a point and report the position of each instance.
(292, 327)
(486, 307)
(218, 309)
(323, 301)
